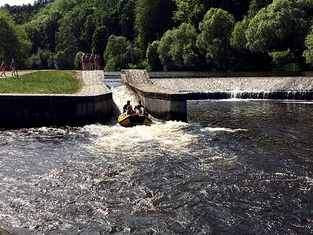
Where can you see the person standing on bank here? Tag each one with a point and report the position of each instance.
(57, 62)
(13, 67)
(3, 68)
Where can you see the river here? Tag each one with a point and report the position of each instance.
(236, 167)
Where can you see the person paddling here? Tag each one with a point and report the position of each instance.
(140, 109)
(125, 106)
(130, 110)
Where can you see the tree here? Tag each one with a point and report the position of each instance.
(281, 26)
(238, 39)
(35, 37)
(40, 60)
(177, 48)
(153, 18)
(88, 28)
(117, 53)
(14, 41)
(124, 10)
(257, 5)
(68, 38)
(308, 53)
(44, 24)
(192, 11)
(99, 40)
(189, 11)
(68, 49)
(152, 55)
(214, 39)
(244, 58)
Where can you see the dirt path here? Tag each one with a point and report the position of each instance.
(20, 73)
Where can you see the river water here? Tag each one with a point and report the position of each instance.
(236, 167)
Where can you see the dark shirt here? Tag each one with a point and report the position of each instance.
(125, 108)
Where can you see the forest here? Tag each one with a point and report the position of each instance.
(161, 35)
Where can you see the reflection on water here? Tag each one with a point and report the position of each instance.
(237, 167)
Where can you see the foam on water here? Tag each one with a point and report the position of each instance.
(169, 135)
(218, 129)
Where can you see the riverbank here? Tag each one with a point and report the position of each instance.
(93, 103)
(42, 82)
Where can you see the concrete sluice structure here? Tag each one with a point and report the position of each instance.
(160, 102)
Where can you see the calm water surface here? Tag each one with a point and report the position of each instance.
(236, 167)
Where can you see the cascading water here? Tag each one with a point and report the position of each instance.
(295, 88)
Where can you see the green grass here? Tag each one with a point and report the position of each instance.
(42, 82)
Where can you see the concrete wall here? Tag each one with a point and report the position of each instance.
(166, 109)
(160, 102)
(41, 110)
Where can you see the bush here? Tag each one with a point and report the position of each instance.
(284, 60)
(77, 62)
(40, 60)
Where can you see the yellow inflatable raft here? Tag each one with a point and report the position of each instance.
(133, 120)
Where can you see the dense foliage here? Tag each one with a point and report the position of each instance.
(161, 34)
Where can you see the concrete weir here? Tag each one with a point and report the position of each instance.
(166, 98)
(93, 103)
(160, 102)
(293, 88)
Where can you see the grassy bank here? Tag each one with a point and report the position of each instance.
(42, 82)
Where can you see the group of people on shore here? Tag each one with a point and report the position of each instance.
(13, 67)
(139, 109)
(90, 61)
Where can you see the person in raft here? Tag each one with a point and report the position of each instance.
(3, 67)
(140, 109)
(13, 67)
(130, 110)
(125, 106)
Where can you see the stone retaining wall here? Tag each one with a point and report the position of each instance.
(92, 104)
